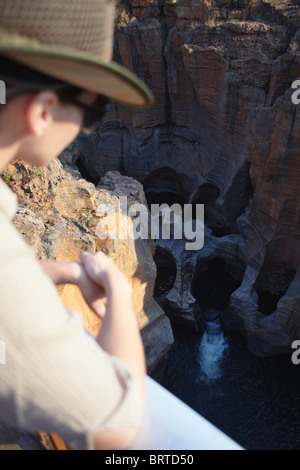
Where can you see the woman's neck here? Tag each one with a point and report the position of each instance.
(7, 155)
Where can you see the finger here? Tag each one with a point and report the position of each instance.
(85, 259)
(84, 256)
(96, 259)
(93, 274)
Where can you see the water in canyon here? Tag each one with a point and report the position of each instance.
(254, 400)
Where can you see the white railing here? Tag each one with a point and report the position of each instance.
(169, 424)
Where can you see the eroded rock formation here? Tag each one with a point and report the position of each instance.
(60, 216)
(225, 129)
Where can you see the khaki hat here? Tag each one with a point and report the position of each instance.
(70, 40)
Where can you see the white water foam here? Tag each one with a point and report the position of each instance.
(212, 350)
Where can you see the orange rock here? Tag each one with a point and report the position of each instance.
(58, 217)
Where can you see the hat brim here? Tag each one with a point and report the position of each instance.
(78, 68)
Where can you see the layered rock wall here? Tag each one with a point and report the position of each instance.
(224, 125)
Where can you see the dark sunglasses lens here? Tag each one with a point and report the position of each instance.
(94, 115)
(91, 122)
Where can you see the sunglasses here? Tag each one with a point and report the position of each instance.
(93, 115)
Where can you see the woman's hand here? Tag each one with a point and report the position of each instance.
(103, 271)
(93, 293)
(73, 272)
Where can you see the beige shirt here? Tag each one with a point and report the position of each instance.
(56, 377)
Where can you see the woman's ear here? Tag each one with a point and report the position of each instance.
(39, 112)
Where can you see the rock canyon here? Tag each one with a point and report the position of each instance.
(224, 133)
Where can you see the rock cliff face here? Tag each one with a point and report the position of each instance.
(225, 133)
(60, 216)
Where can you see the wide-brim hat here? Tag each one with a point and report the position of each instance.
(70, 40)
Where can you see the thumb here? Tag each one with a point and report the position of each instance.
(91, 269)
(84, 255)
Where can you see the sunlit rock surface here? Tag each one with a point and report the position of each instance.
(59, 217)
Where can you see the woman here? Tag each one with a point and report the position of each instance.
(55, 60)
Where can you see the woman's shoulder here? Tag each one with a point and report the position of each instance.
(8, 200)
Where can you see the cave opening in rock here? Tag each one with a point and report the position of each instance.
(236, 199)
(166, 274)
(214, 283)
(164, 186)
(83, 169)
(168, 198)
(220, 230)
(267, 301)
(271, 287)
(207, 194)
